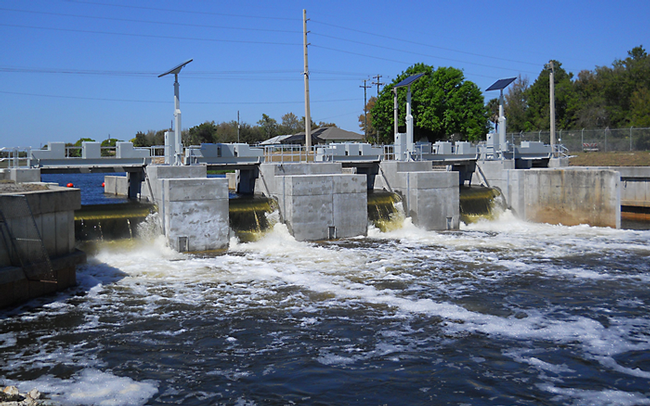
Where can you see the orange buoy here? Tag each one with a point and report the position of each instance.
(70, 185)
(103, 184)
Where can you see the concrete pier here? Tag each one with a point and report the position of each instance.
(37, 241)
(431, 198)
(317, 201)
(193, 208)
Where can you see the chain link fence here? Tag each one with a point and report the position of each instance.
(605, 140)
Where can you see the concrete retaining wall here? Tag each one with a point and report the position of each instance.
(573, 196)
(53, 212)
(635, 185)
(569, 196)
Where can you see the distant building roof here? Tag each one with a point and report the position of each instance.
(335, 134)
(325, 135)
(275, 140)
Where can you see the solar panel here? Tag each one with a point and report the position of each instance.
(500, 84)
(409, 80)
(176, 69)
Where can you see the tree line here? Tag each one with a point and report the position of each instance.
(231, 131)
(614, 97)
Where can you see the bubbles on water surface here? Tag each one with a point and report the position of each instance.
(505, 298)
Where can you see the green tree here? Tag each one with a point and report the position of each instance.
(290, 124)
(370, 133)
(204, 133)
(516, 104)
(640, 108)
(109, 143)
(443, 105)
(492, 107)
(538, 97)
(74, 150)
(592, 109)
(269, 126)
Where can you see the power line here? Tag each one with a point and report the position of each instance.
(183, 11)
(416, 53)
(166, 102)
(151, 35)
(418, 43)
(193, 25)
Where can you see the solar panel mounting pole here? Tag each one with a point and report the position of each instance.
(178, 144)
(409, 117)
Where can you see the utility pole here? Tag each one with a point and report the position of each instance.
(238, 126)
(552, 106)
(306, 75)
(378, 83)
(365, 113)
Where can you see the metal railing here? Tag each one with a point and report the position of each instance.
(602, 139)
(288, 153)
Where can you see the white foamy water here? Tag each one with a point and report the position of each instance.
(497, 311)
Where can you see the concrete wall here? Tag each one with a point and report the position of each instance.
(573, 196)
(157, 172)
(53, 212)
(193, 208)
(635, 185)
(431, 198)
(20, 175)
(195, 213)
(116, 185)
(318, 207)
(569, 196)
(317, 201)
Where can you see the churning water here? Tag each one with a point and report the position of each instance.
(501, 312)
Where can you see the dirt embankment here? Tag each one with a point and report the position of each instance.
(632, 158)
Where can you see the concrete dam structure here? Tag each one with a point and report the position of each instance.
(328, 198)
(37, 241)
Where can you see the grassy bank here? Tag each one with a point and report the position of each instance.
(633, 158)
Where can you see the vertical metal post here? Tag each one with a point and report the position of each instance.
(631, 137)
(552, 106)
(365, 112)
(395, 114)
(306, 75)
(409, 125)
(177, 125)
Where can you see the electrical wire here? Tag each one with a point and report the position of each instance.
(192, 25)
(174, 37)
(167, 102)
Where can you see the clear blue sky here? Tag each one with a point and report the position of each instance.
(89, 68)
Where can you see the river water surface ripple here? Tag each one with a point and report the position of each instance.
(502, 312)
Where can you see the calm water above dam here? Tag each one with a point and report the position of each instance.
(502, 312)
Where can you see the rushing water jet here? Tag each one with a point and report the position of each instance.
(110, 221)
(479, 202)
(250, 216)
(385, 210)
